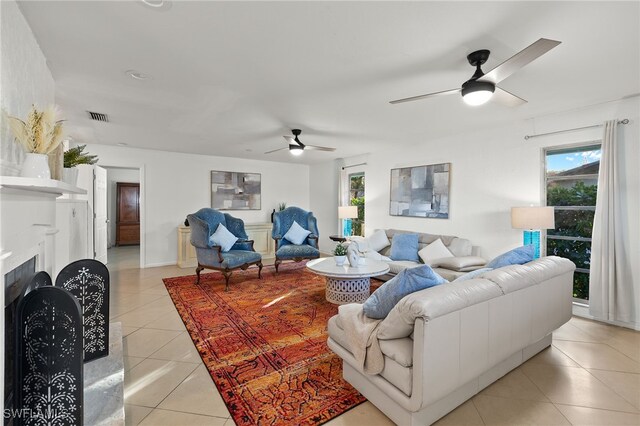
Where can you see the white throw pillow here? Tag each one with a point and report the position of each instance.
(434, 251)
(378, 240)
(296, 234)
(223, 238)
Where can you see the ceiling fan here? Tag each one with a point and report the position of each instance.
(296, 147)
(481, 87)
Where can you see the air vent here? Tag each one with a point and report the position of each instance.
(98, 116)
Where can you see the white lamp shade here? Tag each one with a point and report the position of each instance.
(347, 212)
(532, 218)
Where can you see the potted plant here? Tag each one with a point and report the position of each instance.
(39, 135)
(72, 158)
(340, 254)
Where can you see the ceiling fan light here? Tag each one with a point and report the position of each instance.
(477, 92)
(295, 150)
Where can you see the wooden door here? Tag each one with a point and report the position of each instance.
(127, 213)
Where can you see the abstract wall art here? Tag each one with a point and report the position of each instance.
(421, 191)
(235, 190)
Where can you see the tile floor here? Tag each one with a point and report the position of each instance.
(589, 376)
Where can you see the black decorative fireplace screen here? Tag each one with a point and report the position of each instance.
(48, 366)
(88, 281)
(49, 333)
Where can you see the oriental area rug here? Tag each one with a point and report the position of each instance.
(264, 343)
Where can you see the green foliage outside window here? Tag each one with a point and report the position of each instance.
(573, 223)
(356, 195)
(356, 224)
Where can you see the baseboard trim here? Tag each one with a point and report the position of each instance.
(583, 312)
(156, 265)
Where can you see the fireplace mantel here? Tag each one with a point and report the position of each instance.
(49, 186)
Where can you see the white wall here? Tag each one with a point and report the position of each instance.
(25, 79)
(323, 191)
(496, 169)
(115, 175)
(174, 185)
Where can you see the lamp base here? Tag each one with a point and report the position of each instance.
(346, 227)
(532, 237)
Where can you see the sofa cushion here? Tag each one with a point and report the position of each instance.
(378, 240)
(406, 282)
(223, 238)
(515, 277)
(433, 252)
(397, 266)
(448, 274)
(399, 350)
(473, 274)
(517, 256)
(435, 302)
(296, 234)
(461, 263)
(397, 356)
(460, 247)
(404, 247)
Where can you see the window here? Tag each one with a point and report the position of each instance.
(571, 185)
(356, 198)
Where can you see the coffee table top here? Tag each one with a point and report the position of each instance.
(327, 266)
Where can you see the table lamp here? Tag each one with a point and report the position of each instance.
(532, 220)
(346, 213)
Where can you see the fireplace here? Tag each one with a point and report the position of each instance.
(14, 282)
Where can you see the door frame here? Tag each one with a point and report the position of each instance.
(143, 206)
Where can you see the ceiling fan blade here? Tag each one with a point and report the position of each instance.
(505, 98)
(275, 150)
(291, 140)
(428, 95)
(519, 60)
(318, 148)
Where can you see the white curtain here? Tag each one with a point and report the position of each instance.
(610, 284)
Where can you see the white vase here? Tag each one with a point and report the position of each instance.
(340, 260)
(36, 166)
(70, 175)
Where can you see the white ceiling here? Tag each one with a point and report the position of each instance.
(230, 78)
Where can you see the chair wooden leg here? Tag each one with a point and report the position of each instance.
(227, 275)
(260, 270)
(198, 269)
(277, 263)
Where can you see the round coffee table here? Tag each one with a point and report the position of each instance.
(347, 284)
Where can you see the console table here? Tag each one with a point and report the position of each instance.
(260, 233)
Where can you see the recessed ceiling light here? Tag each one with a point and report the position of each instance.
(157, 4)
(122, 144)
(137, 75)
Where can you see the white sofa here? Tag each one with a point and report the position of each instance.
(465, 255)
(444, 344)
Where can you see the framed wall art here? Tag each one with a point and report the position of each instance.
(421, 191)
(235, 190)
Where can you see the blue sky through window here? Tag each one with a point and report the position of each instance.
(568, 160)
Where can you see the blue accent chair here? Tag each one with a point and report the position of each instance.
(285, 249)
(203, 224)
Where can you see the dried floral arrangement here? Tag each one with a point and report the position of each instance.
(41, 133)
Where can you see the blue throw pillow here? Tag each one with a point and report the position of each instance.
(410, 280)
(473, 274)
(517, 256)
(405, 247)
